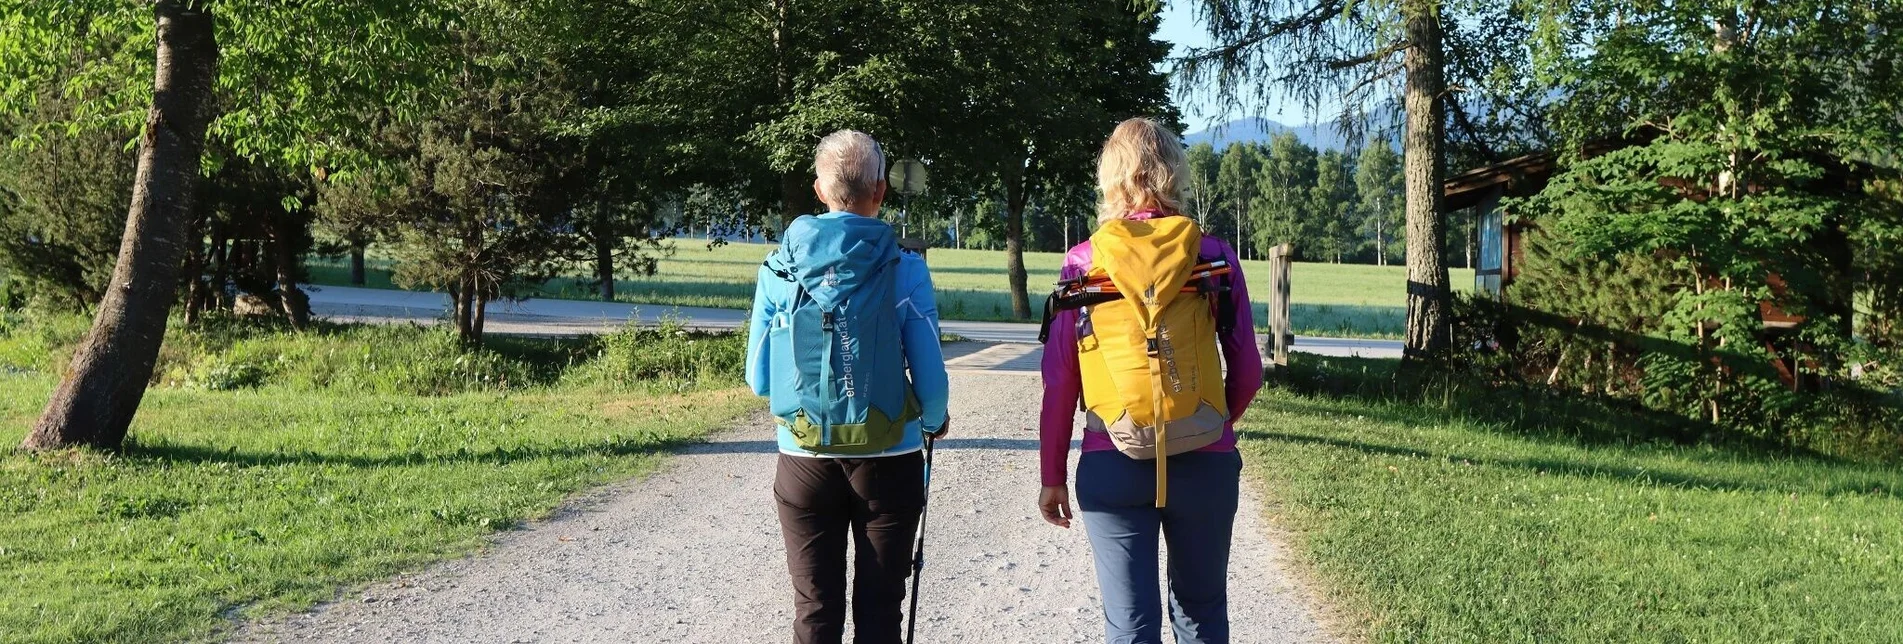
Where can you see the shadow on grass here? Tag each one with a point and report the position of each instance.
(493, 456)
(1394, 395)
(1558, 467)
(623, 447)
(1379, 390)
(1346, 320)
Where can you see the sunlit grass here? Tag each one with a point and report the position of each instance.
(1430, 519)
(275, 469)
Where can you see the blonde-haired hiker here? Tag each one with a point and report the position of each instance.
(1131, 337)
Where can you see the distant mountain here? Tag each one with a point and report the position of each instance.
(1321, 136)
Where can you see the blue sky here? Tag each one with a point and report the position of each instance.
(1181, 29)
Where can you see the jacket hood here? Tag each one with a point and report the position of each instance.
(830, 257)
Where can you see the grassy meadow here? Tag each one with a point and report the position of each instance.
(1464, 515)
(266, 470)
(1343, 300)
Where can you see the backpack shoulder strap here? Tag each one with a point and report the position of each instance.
(1050, 315)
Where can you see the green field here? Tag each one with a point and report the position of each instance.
(1471, 516)
(1344, 300)
(269, 470)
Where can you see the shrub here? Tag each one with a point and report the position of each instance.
(31, 340)
(224, 353)
(1709, 394)
(217, 373)
(669, 355)
(404, 360)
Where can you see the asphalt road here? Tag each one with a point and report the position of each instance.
(577, 317)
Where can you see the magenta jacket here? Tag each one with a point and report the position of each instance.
(1063, 383)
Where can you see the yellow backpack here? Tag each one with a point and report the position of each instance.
(1149, 312)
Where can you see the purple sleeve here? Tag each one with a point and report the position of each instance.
(1238, 345)
(1063, 383)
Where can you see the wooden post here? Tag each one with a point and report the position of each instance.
(1281, 335)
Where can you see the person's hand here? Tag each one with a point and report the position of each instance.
(942, 430)
(1054, 503)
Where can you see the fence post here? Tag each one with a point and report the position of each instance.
(1281, 335)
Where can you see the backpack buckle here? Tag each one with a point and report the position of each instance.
(826, 322)
(1149, 346)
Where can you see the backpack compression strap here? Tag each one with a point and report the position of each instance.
(1162, 426)
(826, 374)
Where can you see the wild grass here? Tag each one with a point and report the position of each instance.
(1440, 513)
(274, 469)
(1325, 299)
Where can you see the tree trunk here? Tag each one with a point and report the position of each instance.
(357, 277)
(1016, 194)
(604, 253)
(101, 391)
(1429, 325)
(220, 266)
(469, 288)
(478, 313)
(795, 190)
(194, 277)
(796, 193)
(1471, 233)
(291, 299)
(462, 296)
(1380, 245)
(1241, 241)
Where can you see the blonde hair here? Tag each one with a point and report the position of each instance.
(1142, 167)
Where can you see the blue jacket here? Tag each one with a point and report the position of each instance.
(918, 333)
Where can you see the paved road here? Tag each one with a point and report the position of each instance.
(693, 553)
(574, 317)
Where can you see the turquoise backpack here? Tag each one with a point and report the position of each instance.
(839, 380)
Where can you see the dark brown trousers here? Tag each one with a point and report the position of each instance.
(875, 501)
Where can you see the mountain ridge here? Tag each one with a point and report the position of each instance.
(1255, 129)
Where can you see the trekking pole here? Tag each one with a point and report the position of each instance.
(918, 549)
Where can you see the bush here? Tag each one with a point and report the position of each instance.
(668, 355)
(224, 353)
(1710, 395)
(216, 373)
(386, 360)
(31, 340)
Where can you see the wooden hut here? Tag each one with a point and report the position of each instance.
(1502, 244)
(1501, 241)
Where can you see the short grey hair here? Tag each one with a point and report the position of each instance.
(850, 166)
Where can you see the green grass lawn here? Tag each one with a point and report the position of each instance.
(1326, 299)
(315, 475)
(1502, 519)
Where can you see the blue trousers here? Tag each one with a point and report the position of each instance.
(1116, 497)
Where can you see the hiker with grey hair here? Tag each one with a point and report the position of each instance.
(844, 342)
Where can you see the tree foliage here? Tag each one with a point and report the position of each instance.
(62, 209)
(1379, 213)
(1744, 177)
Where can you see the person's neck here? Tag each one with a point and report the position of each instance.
(857, 209)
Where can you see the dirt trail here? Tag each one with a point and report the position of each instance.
(693, 554)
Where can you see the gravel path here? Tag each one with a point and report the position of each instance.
(693, 554)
